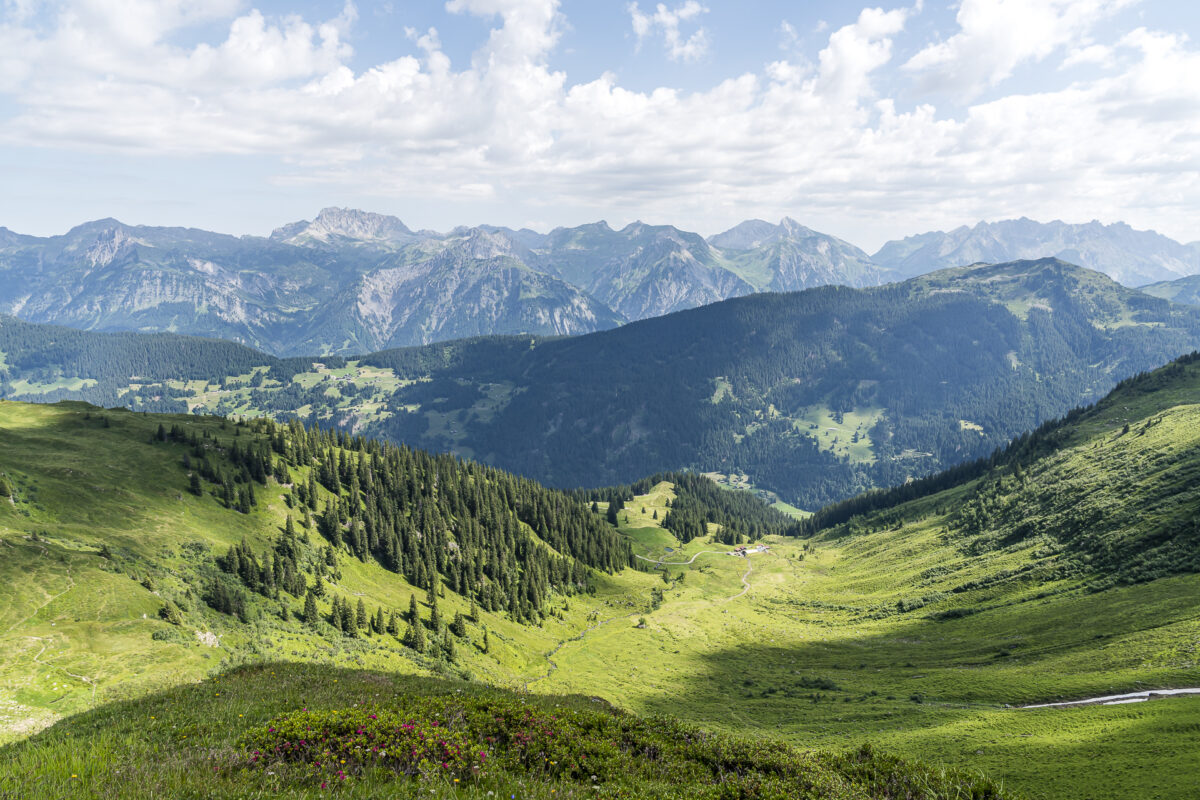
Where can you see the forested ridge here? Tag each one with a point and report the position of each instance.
(504, 542)
(816, 396)
(741, 515)
(944, 369)
(1108, 489)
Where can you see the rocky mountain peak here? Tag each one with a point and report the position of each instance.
(346, 223)
(108, 245)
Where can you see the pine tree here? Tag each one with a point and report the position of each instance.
(393, 626)
(310, 608)
(413, 613)
(487, 645)
(459, 626)
(335, 613)
(435, 617)
(415, 637)
(360, 618)
(194, 485)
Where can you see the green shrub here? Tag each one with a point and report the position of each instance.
(498, 740)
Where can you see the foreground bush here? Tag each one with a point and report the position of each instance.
(473, 741)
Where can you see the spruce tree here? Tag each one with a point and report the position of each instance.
(335, 613)
(360, 618)
(415, 637)
(310, 608)
(435, 617)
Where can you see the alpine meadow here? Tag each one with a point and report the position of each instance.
(544, 399)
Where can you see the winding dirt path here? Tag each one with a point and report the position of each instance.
(680, 563)
(50, 599)
(1117, 699)
(46, 640)
(37, 659)
(745, 582)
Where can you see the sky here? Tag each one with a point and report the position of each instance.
(870, 122)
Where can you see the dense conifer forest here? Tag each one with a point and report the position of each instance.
(502, 541)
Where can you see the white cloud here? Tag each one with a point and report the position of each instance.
(667, 21)
(820, 141)
(856, 50)
(788, 36)
(995, 36)
(1091, 54)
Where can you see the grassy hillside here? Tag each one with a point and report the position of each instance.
(1184, 290)
(102, 532)
(429, 738)
(921, 626)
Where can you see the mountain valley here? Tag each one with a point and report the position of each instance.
(807, 397)
(1063, 567)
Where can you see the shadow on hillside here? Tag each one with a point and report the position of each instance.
(1044, 650)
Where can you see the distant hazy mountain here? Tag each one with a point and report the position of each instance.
(351, 281)
(344, 224)
(645, 270)
(788, 256)
(1184, 290)
(641, 270)
(1131, 257)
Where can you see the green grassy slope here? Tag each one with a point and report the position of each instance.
(380, 734)
(102, 530)
(1184, 290)
(919, 627)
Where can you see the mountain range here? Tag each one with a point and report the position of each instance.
(1129, 256)
(351, 281)
(808, 396)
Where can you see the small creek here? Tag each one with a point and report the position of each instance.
(1117, 699)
